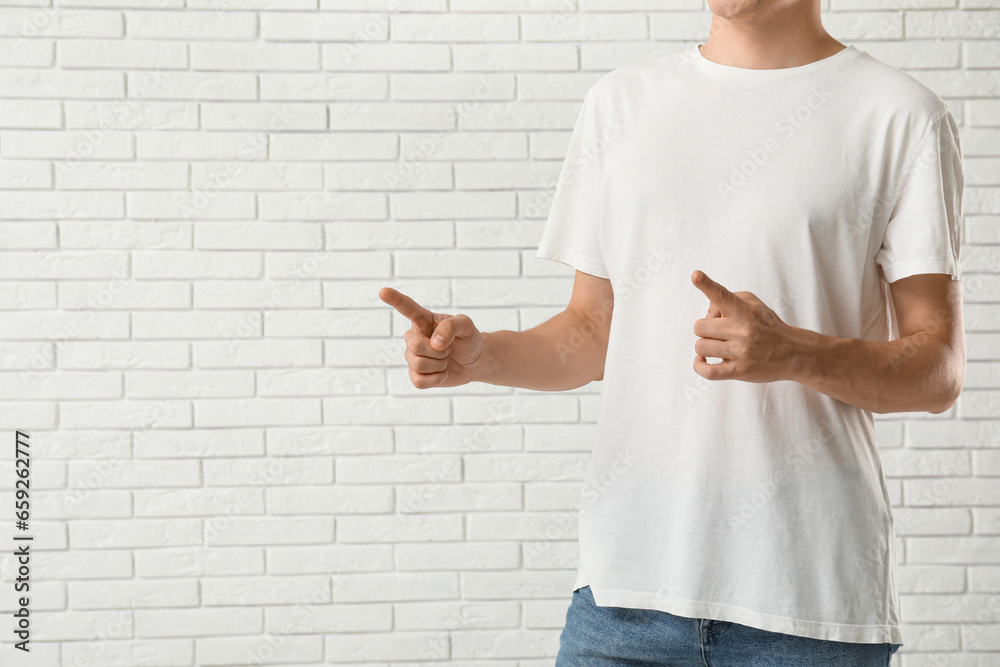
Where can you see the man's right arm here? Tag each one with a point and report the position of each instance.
(564, 352)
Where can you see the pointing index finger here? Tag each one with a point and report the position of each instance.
(717, 294)
(406, 306)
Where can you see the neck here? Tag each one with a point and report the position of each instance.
(786, 37)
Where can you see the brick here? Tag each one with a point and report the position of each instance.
(27, 295)
(197, 622)
(333, 27)
(270, 471)
(128, 651)
(133, 474)
(452, 86)
(327, 558)
(370, 56)
(328, 440)
(199, 324)
(130, 414)
(399, 528)
(257, 412)
(256, 354)
(455, 27)
(29, 114)
(232, 56)
(316, 382)
(73, 146)
(209, 86)
(74, 625)
(18, 52)
(123, 354)
(459, 556)
(246, 531)
(27, 235)
(60, 23)
(325, 206)
(291, 649)
(58, 386)
(257, 175)
(130, 115)
(60, 326)
(258, 235)
(192, 25)
(198, 502)
(256, 294)
(981, 25)
(195, 560)
(265, 590)
(190, 384)
(132, 295)
(494, 585)
(334, 618)
(971, 550)
(396, 586)
(266, 116)
(339, 499)
(121, 54)
(143, 594)
(123, 176)
(394, 646)
(196, 265)
(197, 205)
(201, 146)
(472, 644)
(199, 444)
(532, 57)
(584, 27)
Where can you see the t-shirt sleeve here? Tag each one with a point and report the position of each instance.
(572, 229)
(924, 230)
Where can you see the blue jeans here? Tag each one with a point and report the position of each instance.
(612, 636)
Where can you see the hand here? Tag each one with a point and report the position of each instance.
(441, 350)
(753, 342)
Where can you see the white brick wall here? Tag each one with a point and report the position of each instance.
(198, 204)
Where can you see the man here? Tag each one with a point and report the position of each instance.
(736, 512)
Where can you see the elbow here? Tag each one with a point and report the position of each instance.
(951, 391)
(941, 407)
(947, 400)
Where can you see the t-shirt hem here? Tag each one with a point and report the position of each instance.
(859, 634)
(911, 267)
(574, 259)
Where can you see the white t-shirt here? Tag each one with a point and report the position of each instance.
(763, 504)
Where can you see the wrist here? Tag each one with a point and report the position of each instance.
(485, 365)
(805, 358)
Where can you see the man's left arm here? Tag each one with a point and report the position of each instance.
(921, 371)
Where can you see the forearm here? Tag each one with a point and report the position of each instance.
(564, 352)
(916, 373)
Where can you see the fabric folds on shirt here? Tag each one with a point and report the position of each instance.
(812, 187)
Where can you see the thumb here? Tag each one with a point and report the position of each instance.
(449, 329)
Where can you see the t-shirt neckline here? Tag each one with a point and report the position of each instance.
(747, 73)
